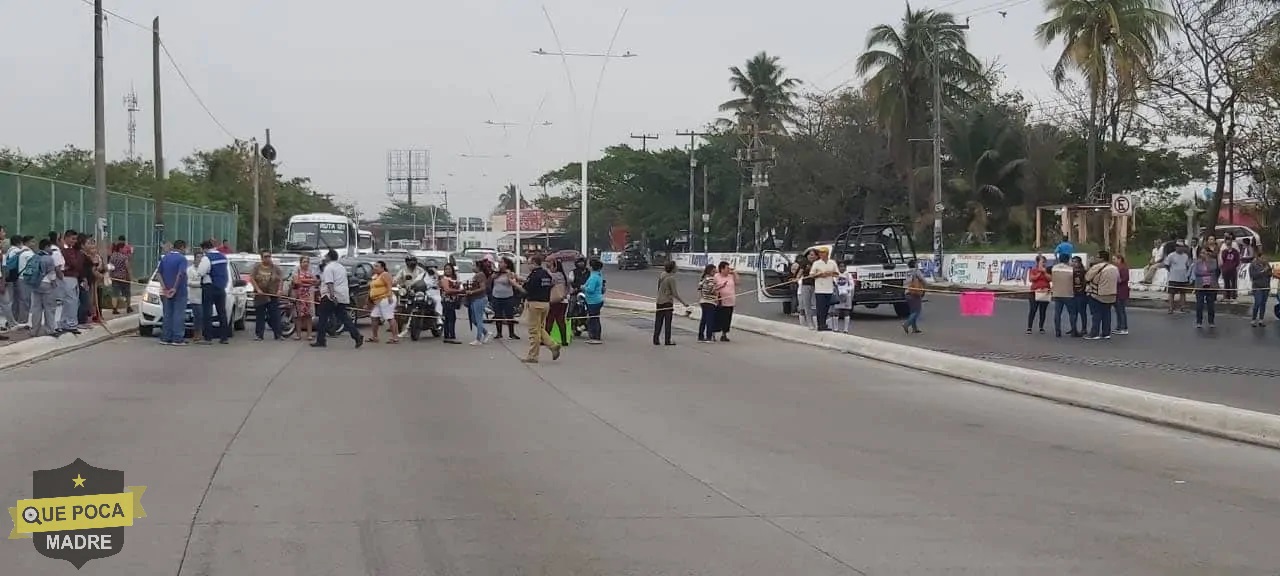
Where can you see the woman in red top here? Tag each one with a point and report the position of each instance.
(1040, 294)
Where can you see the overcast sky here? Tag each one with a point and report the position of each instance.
(341, 83)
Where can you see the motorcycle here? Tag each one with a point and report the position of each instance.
(419, 306)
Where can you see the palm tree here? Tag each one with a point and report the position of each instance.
(900, 64)
(507, 200)
(766, 101)
(985, 154)
(1105, 41)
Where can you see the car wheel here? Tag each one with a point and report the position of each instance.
(146, 331)
(238, 324)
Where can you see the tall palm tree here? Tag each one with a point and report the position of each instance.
(766, 97)
(900, 64)
(1105, 41)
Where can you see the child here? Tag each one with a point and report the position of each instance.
(843, 303)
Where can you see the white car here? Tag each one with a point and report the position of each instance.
(152, 313)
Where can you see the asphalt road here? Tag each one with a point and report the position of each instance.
(752, 457)
(1233, 364)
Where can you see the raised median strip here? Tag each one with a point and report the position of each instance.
(1197, 416)
(44, 347)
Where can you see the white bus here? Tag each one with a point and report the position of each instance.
(316, 234)
(364, 242)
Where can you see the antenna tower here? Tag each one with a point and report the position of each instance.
(131, 105)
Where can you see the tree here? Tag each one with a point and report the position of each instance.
(985, 155)
(900, 65)
(1105, 41)
(401, 213)
(507, 200)
(766, 98)
(1205, 73)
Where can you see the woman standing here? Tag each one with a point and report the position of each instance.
(1122, 295)
(805, 287)
(1040, 293)
(559, 304)
(304, 301)
(1079, 295)
(450, 289)
(505, 298)
(119, 267)
(382, 303)
(1205, 274)
(727, 280)
(708, 293)
(477, 298)
(1260, 287)
(96, 272)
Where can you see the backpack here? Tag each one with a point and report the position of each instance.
(11, 271)
(35, 271)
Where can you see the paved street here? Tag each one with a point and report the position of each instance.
(1233, 364)
(753, 457)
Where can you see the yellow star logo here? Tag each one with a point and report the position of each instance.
(79, 481)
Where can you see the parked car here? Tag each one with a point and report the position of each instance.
(152, 311)
(632, 260)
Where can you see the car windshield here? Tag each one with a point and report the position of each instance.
(317, 236)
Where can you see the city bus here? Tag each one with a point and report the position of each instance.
(364, 242)
(316, 234)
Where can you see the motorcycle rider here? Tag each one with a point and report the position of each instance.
(580, 273)
(410, 274)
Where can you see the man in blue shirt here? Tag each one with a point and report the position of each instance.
(173, 295)
(593, 289)
(214, 279)
(1065, 250)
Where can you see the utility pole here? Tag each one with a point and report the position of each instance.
(99, 132)
(644, 140)
(706, 217)
(156, 126)
(256, 187)
(693, 165)
(269, 154)
(758, 158)
(938, 206)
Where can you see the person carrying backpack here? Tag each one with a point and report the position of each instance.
(43, 279)
(8, 287)
(13, 276)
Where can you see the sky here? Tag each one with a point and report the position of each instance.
(340, 84)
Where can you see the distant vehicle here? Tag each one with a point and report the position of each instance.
(316, 234)
(632, 259)
(875, 257)
(364, 242)
(481, 254)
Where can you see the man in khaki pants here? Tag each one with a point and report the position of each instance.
(537, 296)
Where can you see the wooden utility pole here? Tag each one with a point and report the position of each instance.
(644, 140)
(99, 133)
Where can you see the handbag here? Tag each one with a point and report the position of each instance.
(915, 287)
(558, 291)
(1043, 295)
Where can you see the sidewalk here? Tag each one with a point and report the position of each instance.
(20, 334)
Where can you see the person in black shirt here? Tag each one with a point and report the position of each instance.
(537, 294)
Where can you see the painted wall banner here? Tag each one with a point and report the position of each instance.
(77, 513)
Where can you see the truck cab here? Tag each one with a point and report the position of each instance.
(873, 256)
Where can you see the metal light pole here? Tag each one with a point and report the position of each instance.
(607, 55)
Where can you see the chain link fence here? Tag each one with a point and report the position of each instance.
(30, 205)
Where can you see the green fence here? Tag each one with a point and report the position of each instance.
(36, 206)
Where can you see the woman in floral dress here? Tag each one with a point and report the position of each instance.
(304, 282)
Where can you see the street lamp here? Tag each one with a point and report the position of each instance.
(481, 156)
(606, 56)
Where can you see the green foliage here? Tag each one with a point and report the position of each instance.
(218, 179)
(400, 213)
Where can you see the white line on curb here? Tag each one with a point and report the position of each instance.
(1204, 417)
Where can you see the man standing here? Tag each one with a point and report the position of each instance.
(73, 261)
(1178, 264)
(1064, 248)
(214, 279)
(1061, 279)
(1103, 278)
(173, 295)
(666, 304)
(335, 298)
(267, 279)
(22, 290)
(44, 280)
(537, 291)
(824, 272)
(225, 248)
(1229, 264)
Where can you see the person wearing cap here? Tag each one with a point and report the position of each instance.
(411, 273)
(824, 272)
(1178, 265)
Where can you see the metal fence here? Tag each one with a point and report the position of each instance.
(35, 206)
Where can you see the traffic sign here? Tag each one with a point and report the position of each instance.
(1121, 205)
(939, 207)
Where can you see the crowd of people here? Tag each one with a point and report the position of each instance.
(50, 285)
(1212, 273)
(822, 287)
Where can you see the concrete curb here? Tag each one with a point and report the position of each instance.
(1204, 417)
(45, 347)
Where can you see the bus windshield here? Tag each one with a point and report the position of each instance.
(312, 236)
(365, 241)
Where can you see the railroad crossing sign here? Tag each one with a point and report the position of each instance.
(1121, 205)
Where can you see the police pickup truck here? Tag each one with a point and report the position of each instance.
(873, 256)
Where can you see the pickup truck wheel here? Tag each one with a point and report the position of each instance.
(146, 331)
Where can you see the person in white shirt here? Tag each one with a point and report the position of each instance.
(193, 297)
(21, 291)
(824, 272)
(335, 299)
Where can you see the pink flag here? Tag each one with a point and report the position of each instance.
(977, 303)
